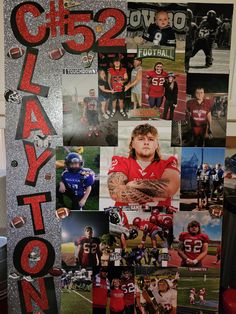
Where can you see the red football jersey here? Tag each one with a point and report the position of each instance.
(117, 303)
(131, 168)
(100, 291)
(147, 227)
(199, 112)
(89, 248)
(128, 288)
(117, 79)
(123, 219)
(156, 87)
(193, 243)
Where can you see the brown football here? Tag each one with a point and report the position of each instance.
(62, 212)
(18, 222)
(55, 271)
(15, 52)
(56, 54)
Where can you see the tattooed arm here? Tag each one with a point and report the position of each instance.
(138, 191)
(165, 187)
(121, 192)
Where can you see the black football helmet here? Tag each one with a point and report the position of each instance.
(133, 233)
(73, 158)
(211, 14)
(114, 217)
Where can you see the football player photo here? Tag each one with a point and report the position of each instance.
(164, 87)
(142, 176)
(120, 86)
(83, 112)
(140, 237)
(208, 38)
(197, 236)
(77, 181)
(160, 29)
(206, 112)
(202, 179)
(113, 290)
(156, 290)
(82, 239)
(74, 280)
(198, 290)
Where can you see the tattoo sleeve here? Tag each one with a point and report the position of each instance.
(121, 192)
(152, 188)
(135, 191)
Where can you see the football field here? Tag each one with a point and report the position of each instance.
(73, 302)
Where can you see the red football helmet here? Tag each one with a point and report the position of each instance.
(155, 211)
(153, 219)
(137, 221)
(165, 221)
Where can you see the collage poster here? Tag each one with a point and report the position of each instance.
(116, 118)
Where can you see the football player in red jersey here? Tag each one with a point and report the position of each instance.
(193, 245)
(89, 254)
(202, 294)
(155, 85)
(101, 289)
(199, 116)
(117, 76)
(144, 176)
(148, 229)
(128, 287)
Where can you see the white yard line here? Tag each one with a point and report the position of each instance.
(82, 296)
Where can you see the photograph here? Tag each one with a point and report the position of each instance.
(156, 24)
(206, 112)
(76, 290)
(119, 85)
(113, 290)
(197, 240)
(156, 290)
(139, 237)
(198, 291)
(143, 169)
(208, 37)
(77, 177)
(202, 179)
(83, 120)
(164, 87)
(82, 239)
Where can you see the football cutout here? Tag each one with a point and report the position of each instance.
(62, 212)
(15, 52)
(56, 54)
(18, 222)
(55, 271)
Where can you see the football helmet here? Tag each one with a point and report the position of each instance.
(137, 221)
(133, 233)
(73, 158)
(153, 219)
(114, 217)
(211, 14)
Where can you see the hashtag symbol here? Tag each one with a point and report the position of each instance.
(57, 18)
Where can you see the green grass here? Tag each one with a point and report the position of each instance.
(168, 65)
(88, 154)
(72, 303)
(211, 285)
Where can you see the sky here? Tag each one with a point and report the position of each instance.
(73, 226)
(210, 155)
(211, 226)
